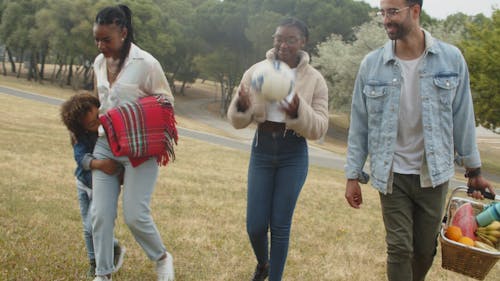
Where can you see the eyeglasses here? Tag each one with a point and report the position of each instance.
(289, 40)
(389, 13)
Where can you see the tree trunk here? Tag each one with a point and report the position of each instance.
(21, 60)
(53, 77)
(11, 59)
(4, 69)
(43, 56)
(183, 87)
(30, 67)
(70, 72)
(223, 90)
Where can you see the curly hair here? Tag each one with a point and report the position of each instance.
(74, 110)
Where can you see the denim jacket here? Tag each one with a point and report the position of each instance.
(447, 115)
(82, 151)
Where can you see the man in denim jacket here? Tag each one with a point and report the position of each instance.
(412, 113)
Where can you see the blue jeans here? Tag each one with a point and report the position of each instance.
(85, 201)
(277, 171)
(138, 186)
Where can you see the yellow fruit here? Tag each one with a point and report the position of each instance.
(466, 241)
(484, 246)
(453, 232)
(495, 225)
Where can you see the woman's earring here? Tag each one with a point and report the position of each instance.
(123, 39)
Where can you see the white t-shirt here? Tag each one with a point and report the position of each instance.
(274, 111)
(409, 150)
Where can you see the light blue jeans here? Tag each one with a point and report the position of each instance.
(138, 186)
(85, 201)
(277, 171)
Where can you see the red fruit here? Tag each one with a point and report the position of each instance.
(465, 219)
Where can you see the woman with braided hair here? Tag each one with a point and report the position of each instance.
(124, 73)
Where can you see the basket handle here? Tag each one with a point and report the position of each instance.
(485, 193)
(467, 190)
(453, 192)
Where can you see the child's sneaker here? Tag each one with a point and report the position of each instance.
(165, 268)
(118, 254)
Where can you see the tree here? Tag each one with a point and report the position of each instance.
(222, 26)
(339, 61)
(482, 54)
(260, 28)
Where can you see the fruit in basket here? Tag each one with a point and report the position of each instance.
(465, 219)
(453, 232)
(466, 241)
(485, 239)
(489, 234)
(495, 225)
(484, 246)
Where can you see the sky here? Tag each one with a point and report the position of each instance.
(440, 9)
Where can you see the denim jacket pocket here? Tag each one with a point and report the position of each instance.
(375, 97)
(446, 83)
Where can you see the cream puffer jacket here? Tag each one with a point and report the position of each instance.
(310, 86)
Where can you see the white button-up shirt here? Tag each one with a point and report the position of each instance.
(140, 76)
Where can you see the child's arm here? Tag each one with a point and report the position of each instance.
(108, 166)
(88, 162)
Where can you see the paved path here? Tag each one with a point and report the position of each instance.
(242, 140)
(195, 108)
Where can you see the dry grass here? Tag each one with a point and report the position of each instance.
(199, 207)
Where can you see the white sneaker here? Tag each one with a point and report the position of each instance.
(102, 278)
(165, 268)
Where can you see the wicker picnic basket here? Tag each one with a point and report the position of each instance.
(460, 258)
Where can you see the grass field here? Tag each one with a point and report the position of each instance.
(198, 205)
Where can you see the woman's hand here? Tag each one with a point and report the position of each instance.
(243, 100)
(292, 108)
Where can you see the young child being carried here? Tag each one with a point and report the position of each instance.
(80, 116)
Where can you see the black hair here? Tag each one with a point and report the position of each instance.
(121, 16)
(300, 25)
(416, 2)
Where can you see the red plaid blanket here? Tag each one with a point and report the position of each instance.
(142, 129)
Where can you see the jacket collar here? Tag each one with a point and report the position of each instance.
(430, 47)
(303, 56)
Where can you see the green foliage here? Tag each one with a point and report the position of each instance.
(218, 40)
(339, 61)
(481, 51)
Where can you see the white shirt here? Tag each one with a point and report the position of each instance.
(409, 151)
(140, 76)
(274, 111)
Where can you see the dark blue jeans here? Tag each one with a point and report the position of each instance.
(277, 171)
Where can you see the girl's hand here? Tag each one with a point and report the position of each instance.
(243, 99)
(292, 108)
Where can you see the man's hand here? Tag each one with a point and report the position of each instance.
(480, 183)
(353, 193)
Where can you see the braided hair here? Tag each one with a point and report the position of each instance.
(121, 16)
(300, 25)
